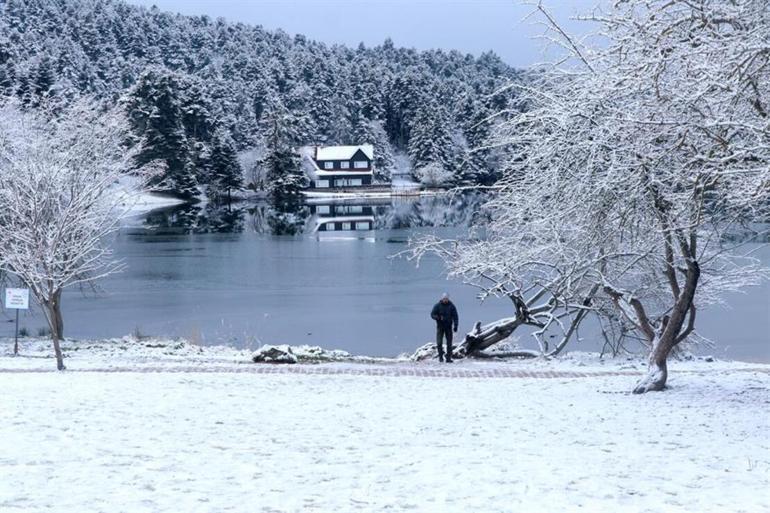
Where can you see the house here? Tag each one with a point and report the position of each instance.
(336, 167)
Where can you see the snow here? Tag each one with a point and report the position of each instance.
(343, 152)
(222, 440)
(138, 201)
(395, 191)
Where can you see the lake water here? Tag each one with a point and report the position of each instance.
(252, 275)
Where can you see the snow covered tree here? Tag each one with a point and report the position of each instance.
(430, 139)
(155, 111)
(373, 132)
(225, 169)
(250, 161)
(635, 166)
(475, 166)
(433, 175)
(43, 77)
(58, 210)
(281, 161)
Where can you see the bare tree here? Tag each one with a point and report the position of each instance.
(57, 204)
(638, 160)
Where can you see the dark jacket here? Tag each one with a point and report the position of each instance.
(445, 315)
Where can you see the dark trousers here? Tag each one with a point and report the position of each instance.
(441, 333)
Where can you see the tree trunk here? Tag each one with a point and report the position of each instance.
(670, 334)
(56, 324)
(483, 337)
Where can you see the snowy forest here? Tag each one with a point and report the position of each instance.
(224, 105)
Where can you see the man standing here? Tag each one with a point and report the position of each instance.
(445, 315)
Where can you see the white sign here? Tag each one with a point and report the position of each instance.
(17, 298)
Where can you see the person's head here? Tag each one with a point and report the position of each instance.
(445, 298)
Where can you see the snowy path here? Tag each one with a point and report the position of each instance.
(263, 442)
(424, 370)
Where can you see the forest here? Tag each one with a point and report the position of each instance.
(222, 106)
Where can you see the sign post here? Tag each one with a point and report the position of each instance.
(18, 299)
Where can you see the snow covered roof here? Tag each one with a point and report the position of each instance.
(311, 169)
(344, 152)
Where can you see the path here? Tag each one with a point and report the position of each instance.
(361, 369)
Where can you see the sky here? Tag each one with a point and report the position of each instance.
(472, 26)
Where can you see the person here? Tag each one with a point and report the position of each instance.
(445, 315)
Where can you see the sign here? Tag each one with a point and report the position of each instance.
(17, 298)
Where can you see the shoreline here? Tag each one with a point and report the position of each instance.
(127, 354)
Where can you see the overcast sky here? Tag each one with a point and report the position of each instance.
(468, 25)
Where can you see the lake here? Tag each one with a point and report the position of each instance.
(321, 274)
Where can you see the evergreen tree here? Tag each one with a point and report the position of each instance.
(199, 123)
(25, 91)
(225, 170)
(281, 161)
(431, 141)
(42, 78)
(7, 79)
(475, 166)
(154, 108)
(372, 132)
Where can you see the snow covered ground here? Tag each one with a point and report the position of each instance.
(137, 201)
(393, 191)
(131, 437)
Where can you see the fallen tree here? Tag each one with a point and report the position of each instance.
(555, 301)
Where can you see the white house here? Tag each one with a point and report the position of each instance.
(331, 167)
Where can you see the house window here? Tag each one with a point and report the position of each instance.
(328, 165)
(362, 226)
(346, 226)
(329, 227)
(360, 164)
(339, 182)
(356, 181)
(322, 184)
(323, 209)
(344, 164)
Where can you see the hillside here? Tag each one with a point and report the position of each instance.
(208, 96)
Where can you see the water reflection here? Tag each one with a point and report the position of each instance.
(321, 216)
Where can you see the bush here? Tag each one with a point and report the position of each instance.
(433, 175)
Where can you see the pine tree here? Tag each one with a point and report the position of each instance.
(372, 132)
(281, 161)
(199, 123)
(154, 108)
(42, 78)
(7, 79)
(475, 166)
(431, 141)
(225, 170)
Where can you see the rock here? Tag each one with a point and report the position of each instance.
(429, 351)
(307, 353)
(274, 354)
(425, 352)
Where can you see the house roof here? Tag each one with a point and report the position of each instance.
(344, 152)
(314, 172)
